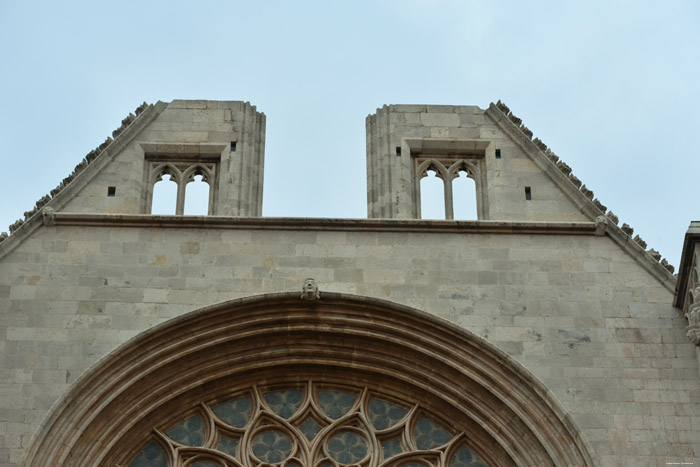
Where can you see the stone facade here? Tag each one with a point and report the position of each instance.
(551, 282)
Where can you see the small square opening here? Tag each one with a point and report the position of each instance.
(528, 193)
(111, 191)
(398, 150)
(233, 146)
(498, 153)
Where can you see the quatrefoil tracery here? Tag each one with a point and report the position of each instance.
(308, 426)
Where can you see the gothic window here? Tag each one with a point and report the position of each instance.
(193, 190)
(197, 196)
(194, 169)
(459, 186)
(308, 425)
(464, 196)
(432, 196)
(164, 194)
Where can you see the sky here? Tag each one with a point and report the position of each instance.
(611, 86)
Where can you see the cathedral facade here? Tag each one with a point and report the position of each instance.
(540, 333)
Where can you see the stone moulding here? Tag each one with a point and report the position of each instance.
(303, 223)
(511, 417)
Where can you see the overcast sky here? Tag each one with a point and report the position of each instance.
(613, 87)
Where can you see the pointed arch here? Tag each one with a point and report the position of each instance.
(509, 416)
(441, 173)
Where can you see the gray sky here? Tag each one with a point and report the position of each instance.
(611, 86)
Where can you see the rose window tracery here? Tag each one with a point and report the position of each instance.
(312, 425)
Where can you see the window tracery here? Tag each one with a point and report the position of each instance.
(447, 170)
(310, 425)
(182, 173)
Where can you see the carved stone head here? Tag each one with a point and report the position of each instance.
(309, 290)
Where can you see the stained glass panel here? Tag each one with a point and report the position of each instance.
(272, 446)
(336, 403)
(150, 456)
(347, 447)
(430, 435)
(392, 430)
(464, 457)
(310, 428)
(206, 464)
(227, 445)
(391, 448)
(235, 412)
(384, 414)
(284, 403)
(190, 432)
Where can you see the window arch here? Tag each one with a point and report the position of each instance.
(448, 170)
(309, 424)
(369, 348)
(184, 174)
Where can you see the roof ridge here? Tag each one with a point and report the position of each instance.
(568, 172)
(87, 160)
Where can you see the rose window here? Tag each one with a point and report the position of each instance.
(308, 426)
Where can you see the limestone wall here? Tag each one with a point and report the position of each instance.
(576, 310)
(391, 178)
(183, 130)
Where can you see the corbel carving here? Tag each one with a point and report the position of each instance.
(309, 291)
(49, 216)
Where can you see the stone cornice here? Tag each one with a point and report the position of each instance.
(305, 223)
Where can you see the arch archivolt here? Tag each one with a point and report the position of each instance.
(368, 347)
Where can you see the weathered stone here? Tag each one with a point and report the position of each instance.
(141, 108)
(16, 225)
(30, 213)
(309, 290)
(538, 142)
(564, 167)
(600, 205)
(106, 143)
(504, 108)
(627, 229)
(588, 193)
(669, 267)
(574, 179)
(553, 157)
(639, 241)
(654, 254)
(526, 131)
(615, 220)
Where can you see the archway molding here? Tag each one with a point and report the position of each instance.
(153, 379)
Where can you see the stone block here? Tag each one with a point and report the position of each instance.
(440, 119)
